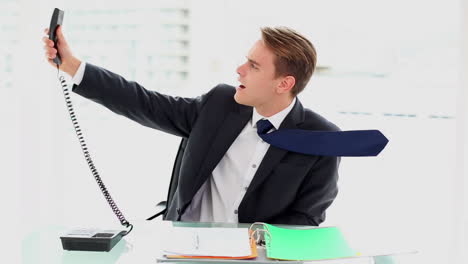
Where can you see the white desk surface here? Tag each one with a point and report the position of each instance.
(143, 245)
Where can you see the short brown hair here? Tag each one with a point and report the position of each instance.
(295, 55)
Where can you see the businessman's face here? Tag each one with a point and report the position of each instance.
(258, 84)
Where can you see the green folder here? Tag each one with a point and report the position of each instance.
(306, 244)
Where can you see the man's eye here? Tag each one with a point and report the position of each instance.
(253, 65)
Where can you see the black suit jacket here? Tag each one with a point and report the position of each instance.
(288, 188)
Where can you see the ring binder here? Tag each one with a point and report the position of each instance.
(256, 235)
(292, 245)
(275, 243)
(315, 243)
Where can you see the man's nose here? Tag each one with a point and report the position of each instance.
(240, 70)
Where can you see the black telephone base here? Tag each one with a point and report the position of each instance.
(91, 239)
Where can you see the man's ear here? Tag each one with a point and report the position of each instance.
(286, 84)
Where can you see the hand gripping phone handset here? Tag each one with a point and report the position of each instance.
(86, 239)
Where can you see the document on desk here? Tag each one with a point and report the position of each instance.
(189, 242)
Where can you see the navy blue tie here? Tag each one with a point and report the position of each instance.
(324, 143)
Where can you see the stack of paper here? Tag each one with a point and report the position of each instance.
(187, 242)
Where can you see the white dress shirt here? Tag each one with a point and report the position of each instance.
(79, 74)
(218, 199)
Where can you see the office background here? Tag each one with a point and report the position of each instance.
(391, 65)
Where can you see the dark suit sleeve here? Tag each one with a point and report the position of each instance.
(174, 115)
(315, 195)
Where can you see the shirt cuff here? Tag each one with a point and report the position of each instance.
(79, 73)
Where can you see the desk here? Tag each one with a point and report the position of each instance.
(143, 245)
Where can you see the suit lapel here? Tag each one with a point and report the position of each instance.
(274, 154)
(230, 128)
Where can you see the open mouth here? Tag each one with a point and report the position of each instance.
(241, 86)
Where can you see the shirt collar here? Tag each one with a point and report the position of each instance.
(275, 119)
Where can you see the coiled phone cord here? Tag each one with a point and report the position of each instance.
(87, 156)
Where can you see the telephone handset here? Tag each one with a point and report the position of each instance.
(89, 239)
(57, 19)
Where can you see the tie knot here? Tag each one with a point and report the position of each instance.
(263, 126)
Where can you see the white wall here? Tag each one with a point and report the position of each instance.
(460, 180)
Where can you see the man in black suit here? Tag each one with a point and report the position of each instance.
(228, 173)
